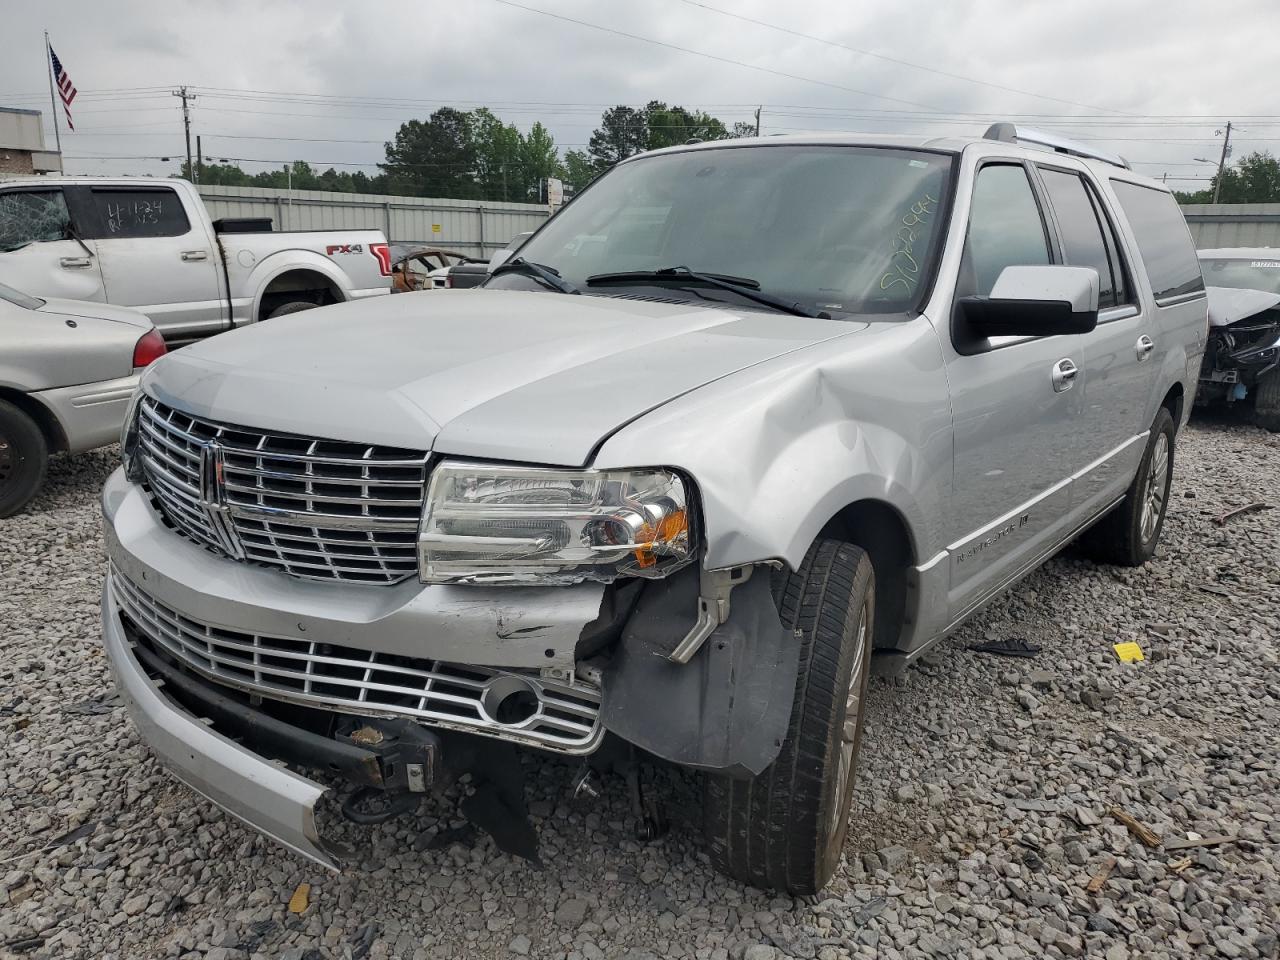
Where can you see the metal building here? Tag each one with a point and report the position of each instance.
(1233, 224)
(22, 149)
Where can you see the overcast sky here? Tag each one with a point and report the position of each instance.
(1171, 71)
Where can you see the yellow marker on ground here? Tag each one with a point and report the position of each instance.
(1128, 652)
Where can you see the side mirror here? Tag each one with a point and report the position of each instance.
(499, 258)
(1038, 301)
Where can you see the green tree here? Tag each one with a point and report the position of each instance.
(671, 126)
(623, 132)
(433, 159)
(1255, 179)
(579, 168)
(497, 151)
(539, 160)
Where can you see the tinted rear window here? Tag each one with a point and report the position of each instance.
(150, 212)
(1163, 239)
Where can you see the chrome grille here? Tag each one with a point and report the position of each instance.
(323, 509)
(348, 680)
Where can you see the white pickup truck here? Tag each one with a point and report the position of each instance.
(149, 243)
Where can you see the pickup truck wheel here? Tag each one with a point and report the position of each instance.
(785, 828)
(24, 456)
(293, 306)
(1266, 402)
(1128, 535)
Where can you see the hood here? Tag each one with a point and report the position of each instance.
(1228, 305)
(87, 310)
(501, 374)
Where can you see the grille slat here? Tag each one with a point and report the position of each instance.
(314, 508)
(349, 680)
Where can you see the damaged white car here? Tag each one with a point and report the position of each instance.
(1242, 359)
(742, 416)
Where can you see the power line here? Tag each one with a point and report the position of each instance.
(710, 56)
(904, 63)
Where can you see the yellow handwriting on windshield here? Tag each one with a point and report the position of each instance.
(904, 267)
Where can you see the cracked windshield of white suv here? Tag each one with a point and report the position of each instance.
(839, 230)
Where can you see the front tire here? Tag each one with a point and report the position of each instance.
(1128, 535)
(24, 456)
(785, 829)
(1266, 402)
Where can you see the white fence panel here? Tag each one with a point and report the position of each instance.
(477, 227)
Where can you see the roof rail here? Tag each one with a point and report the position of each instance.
(1012, 133)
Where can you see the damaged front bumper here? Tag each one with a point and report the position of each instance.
(265, 795)
(233, 672)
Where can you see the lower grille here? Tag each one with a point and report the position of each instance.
(508, 705)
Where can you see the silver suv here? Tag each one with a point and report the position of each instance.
(743, 417)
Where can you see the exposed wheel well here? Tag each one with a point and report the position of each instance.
(294, 285)
(879, 529)
(1173, 401)
(37, 411)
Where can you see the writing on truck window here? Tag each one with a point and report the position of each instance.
(122, 214)
(904, 266)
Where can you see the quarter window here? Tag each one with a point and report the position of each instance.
(32, 216)
(124, 214)
(1083, 240)
(1005, 229)
(1163, 240)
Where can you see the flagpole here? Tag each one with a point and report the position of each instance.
(53, 101)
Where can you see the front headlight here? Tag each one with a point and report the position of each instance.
(506, 524)
(129, 454)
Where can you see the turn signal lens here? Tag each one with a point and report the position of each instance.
(149, 348)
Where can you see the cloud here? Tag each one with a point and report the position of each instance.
(1146, 59)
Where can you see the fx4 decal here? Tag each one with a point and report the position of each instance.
(343, 248)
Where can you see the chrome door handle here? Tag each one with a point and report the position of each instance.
(75, 263)
(190, 255)
(1064, 374)
(1144, 346)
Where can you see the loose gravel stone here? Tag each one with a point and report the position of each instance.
(978, 819)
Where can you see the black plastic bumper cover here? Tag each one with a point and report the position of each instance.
(727, 709)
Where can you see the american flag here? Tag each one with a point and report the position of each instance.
(66, 89)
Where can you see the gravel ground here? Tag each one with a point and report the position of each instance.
(983, 808)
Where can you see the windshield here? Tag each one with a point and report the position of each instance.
(1263, 274)
(834, 229)
(19, 298)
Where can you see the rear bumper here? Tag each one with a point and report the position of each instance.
(269, 798)
(91, 414)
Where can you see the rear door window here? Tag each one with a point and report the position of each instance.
(1083, 234)
(1006, 229)
(32, 216)
(127, 213)
(1163, 240)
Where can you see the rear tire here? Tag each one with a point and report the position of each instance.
(785, 829)
(1129, 534)
(1266, 402)
(24, 456)
(293, 306)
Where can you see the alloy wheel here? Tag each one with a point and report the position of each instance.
(1157, 488)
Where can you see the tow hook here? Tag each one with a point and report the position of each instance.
(404, 760)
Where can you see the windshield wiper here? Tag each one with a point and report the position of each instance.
(742, 286)
(545, 274)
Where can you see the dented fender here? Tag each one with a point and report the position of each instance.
(779, 449)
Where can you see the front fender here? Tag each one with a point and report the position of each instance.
(779, 449)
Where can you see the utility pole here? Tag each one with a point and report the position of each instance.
(199, 159)
(186, 123)
(1222, 163)
(758, 109)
